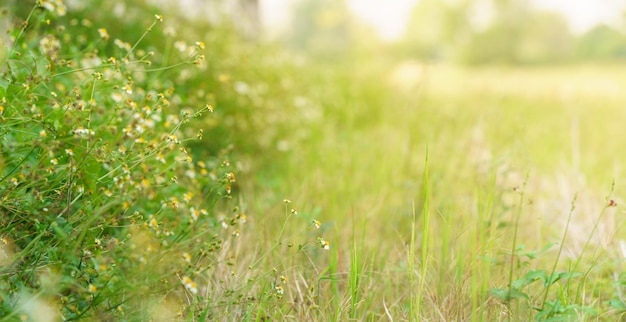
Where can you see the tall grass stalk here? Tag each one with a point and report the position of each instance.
(608, 203)
(425, 236)
(558, 255)
(354, 280)
(279, 240)
(595, 227)
(411, 267)
(333, 277)
(480, 274)
(25, 25)
(146, 32)
(518, 214)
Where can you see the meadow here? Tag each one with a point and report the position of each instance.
(491, 176)
(177, 173)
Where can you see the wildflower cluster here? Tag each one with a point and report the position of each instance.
(96, 168)
(117, 177)
(279, 284)
(316, 224)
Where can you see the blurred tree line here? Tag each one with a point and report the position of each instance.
(328, 31)
(504, 31)
(470, 32)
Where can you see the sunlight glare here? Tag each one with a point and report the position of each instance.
(389, 17)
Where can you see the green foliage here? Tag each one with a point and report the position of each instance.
(560, 309)
(115, 174)
(503, 32)
(540, 38)
(435, 29)
(601, 43)
(105, 212)
(102, 201)
(617, 302)
(321, 28)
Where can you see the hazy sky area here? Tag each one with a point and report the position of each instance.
(584, 14)
(390, 16)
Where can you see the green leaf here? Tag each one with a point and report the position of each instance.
(616, 303)
(515, 294)
(508, 294)
(556, 276)
(529, 278)
(500, 293)
(557, 319)
(535, 254)
(589, 311)
(519, 283)
(535, 274)
(567, 275)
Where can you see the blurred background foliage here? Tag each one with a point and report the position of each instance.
(469, 32)
(325, 73)
(247, 67)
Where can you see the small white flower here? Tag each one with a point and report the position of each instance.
(187, 258)
(82, 132)
(181, 46)
(190, 285)
(323, 243)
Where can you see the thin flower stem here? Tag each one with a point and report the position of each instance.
(24, 26)
(515, 230)
(141, 38)
(558, 255)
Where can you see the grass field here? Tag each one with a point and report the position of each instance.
(510, 151)
(156, 175)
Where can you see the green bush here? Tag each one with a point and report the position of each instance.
(104, 212)
(117, 189)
